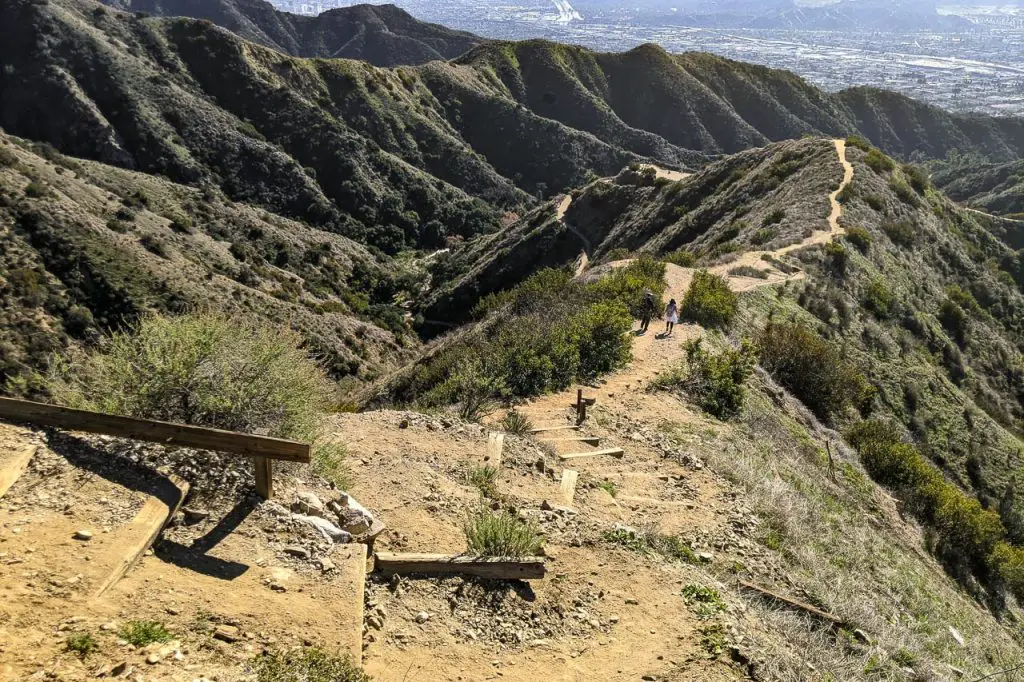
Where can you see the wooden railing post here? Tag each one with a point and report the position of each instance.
(264, 477)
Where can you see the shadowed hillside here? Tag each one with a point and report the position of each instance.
(382, 35)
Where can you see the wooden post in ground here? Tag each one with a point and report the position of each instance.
(581, 407)
(568, 485)
(264, 477)
(495, 444)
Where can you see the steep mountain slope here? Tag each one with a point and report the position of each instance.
(996, 188)
(86, 247)
(382, 35)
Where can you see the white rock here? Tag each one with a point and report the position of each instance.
(422, 617)
(957, 636)
(308, 503)
(326, 528)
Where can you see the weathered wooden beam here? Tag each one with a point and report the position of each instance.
(153, 431)
(545, 429)
(137, 535)
(807, 608)
(610, 452)
(568, 485)
(495, 444)
(14, 466)
(589, 440)
(496, 568)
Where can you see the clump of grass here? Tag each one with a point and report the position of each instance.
(143, 632)
(715, 383)
(609, 487)
(203, 368)
(704, 601)
(516, 423)
(328, 461)
(651, 541)
(484, 478)
(82, 643)
(306, 665)
(501, 534)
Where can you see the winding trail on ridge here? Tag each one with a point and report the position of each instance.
(652, 354)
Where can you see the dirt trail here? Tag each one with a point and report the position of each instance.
(653, 353)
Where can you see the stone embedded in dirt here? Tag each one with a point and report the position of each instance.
(118, 669)
(326, 528)
(296, 551)
(706, 557)
(194, 515)
(404, 424)
(352, 516)
(308, 503)
(83, 535)
(422, 617)
(226, 633)
(326, 565)
(957, 636)
(278, 587)
(861, 636)
(154, 658)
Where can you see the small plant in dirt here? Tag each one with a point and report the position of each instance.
(775, 216)
(81, 643)
(609, 487)
(704, 601)
(501, 533)
(714, 382)
(143, 632)
(516, 423)
(709, 301)
(879, 162)
(713, 639)
(484, 478)
(306, 665)
(651, 541)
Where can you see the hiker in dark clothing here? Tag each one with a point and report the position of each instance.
(648, 308)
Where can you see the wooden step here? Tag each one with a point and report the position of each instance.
(496, 568)
(545, 429)
(589, 440)
(14, 466)
(611, 452)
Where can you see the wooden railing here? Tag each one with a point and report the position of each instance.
(262, 448)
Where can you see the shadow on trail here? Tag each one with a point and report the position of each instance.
(196, 557)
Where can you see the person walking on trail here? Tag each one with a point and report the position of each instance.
(671, 316)
(648, 308)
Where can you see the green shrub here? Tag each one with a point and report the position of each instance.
(879, 162)
(306, 665)
(81, 643)
(917, 177)
(812, 369)
(775, 216)
(748, 271)
(954, 320)
(903, 191)
(715, 383)
(709, 301)
(202, 368)
(879, 299)
(901, 233)
(682, 258)
(36, 190)
(516, 422)
(859, 142)
(859, 237)
(874, 202)
(763, 236)
(484, 478)
(837, 257)
(1008, 560)
(143, 632)
(154, 245)
(473, 387)
(501, 534)
(609, 487)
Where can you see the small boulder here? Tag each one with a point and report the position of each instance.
(227, 633)
(193, 515)
(297, 552)
(422, 617)
(325, 527)
(326, 565)
(83, 535)
(309, 504)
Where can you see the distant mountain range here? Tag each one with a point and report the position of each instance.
(380, 34)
